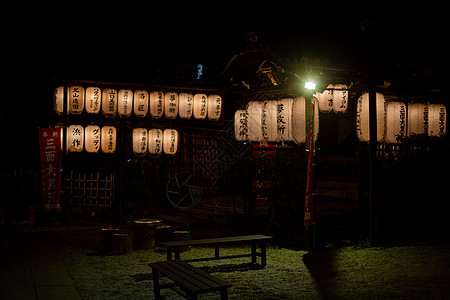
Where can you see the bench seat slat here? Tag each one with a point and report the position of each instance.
(201, 275)
(171, 273)
(189, 277)
(217, 240)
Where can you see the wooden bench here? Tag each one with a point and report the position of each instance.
(188, 280)
(217, 242)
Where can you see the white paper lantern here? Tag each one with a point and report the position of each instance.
(254, 121)
(214, 107)
(156, 104)
(284, 119)
(316, 119)
(140, 140)
(437, 120)
(109, 103)
(325, 100)
(93, 100)
(108, 137)
(395, 121)
(92, 138)
(299, 120)
(200, 106)
(75, 138)
(340, 99)
(170, 144)
(362, 117)
(58, 98)
(140, 106)
(240, 125)
(185, 105)
(75, 96)
(417, 118)
(125, 103)
(155, 141)
(269, 121)
(171, 105)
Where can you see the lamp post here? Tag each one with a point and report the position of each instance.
(309, 199)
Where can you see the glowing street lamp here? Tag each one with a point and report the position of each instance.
(309, 85)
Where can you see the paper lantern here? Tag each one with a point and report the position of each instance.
(214, 107)
(325, 100)
(156, 104)
(185, 105)
(437, 120)
(108, 137)
(170, 144)
(340, 98)
(171, 105)
(254, 121)
(362, 117)
(200, 107)
(125, 103)
(269, 121)
(140, 140)
(284, 119)
(75, 138)
(75, 96)
(58, 98)
(240, 125)
(395, 121)
(299, 120)
(92, 138)
(93, 100)
(109, 103)
(155, 141)
(316, 119)
(417, 118)
(141, 99)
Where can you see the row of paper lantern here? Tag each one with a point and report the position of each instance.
(334, 98)
(396, 120)
(123, 102)
(274, 121)
(154, 141)
(92, 138)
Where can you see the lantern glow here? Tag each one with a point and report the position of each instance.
(93, 100)
(170, 144)
(185, 102)
(155, 141)
(156, 104)
(362, 117)
(125, 103)
(171, 105)
(109, 103)
(140, 105)
(108, 139)
(92, 138)
(140, 140)
(75, 138)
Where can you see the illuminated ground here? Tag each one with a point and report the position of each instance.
(66, 263)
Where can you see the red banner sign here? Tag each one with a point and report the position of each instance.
(308, 214)
(50, 149)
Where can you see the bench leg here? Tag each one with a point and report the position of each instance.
(169, 253)
(177, 253)
(263, 254)
(253, 252)
(224, 294)
(216, 252)
(156, 287)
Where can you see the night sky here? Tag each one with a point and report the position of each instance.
(86, 42)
